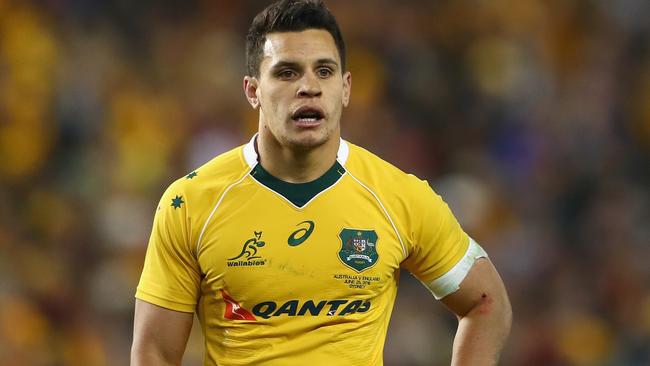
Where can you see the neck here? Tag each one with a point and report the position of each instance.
(296, 165)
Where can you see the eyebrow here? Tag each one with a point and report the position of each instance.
(326, 61)
(296, 65)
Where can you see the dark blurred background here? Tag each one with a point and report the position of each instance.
(531, 118)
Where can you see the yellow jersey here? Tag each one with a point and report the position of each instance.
(286, 274)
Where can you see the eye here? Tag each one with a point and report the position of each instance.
(324, 72)
(286, 74)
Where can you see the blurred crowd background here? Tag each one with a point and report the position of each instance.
(531, 118)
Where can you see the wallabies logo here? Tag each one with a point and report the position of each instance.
(248, 255)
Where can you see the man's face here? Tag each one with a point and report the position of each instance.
(300, 90)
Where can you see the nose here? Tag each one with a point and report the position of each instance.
(309, 86)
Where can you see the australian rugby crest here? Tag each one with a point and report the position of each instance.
(358, 248)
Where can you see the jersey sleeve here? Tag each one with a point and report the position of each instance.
(441, 253)
(170, 276)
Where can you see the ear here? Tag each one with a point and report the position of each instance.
(250, 90)
(347, 88)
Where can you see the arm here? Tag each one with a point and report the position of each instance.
(483, 309)
(159, 335)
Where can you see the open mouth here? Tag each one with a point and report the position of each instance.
(308, 115)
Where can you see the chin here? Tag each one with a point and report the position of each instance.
(307, 141)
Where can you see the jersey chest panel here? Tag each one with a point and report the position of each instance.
(260, 248)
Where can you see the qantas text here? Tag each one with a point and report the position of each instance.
(267, 309)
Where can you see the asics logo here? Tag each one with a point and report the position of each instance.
(299, 236)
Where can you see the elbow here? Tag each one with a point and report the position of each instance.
(502, 313)
(507, 317)
(495, 310)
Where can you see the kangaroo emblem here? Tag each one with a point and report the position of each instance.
(249, 249)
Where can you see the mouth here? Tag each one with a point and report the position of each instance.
(308, 116)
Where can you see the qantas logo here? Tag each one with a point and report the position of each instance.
(234, 311)
(268, 309)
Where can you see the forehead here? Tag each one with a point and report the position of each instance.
(304, 46)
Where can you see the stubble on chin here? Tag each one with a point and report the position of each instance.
(306, 143)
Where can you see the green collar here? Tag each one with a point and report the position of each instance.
(298, 193)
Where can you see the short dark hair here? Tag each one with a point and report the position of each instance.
(289, 16)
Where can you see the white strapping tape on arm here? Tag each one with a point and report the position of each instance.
(450, 281)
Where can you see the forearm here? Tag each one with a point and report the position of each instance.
(482, 333)
(148, 356)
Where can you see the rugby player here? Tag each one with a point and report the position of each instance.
(289, 248)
